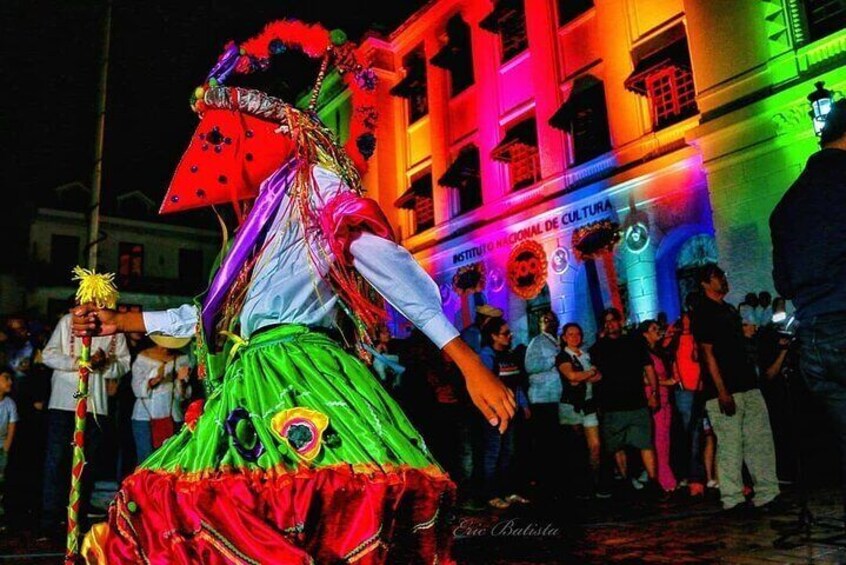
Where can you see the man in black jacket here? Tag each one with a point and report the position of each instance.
(808, 230)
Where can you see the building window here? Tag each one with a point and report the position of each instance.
(463, 175)
(413, 86)
(64, 254)
(418, 199)
(824, 17)
(456, 56)
(130, 261)
(663, 74)
(584, 116)
(519, 148)
(508, 20)
(671, 95)
(569, 10)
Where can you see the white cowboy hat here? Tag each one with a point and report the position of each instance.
(170, 342)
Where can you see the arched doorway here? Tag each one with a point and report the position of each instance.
(534, 308)
(695, 252)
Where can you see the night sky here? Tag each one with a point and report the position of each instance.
(160, 51)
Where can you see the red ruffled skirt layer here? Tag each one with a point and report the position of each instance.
(329, 515)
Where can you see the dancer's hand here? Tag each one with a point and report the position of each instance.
(88, 319)
(488, 393)
(491, 397)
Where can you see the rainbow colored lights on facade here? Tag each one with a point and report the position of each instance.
(677, 123)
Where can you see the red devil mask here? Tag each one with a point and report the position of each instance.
(230, 154)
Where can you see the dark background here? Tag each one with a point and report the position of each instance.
(160, 51)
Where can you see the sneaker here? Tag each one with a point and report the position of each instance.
(712, 484)
(602, 494)
(516, 499)
(682, 484)
(637, 484)
(498, 503)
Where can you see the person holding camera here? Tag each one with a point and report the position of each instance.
(778, 367)
(809, 268)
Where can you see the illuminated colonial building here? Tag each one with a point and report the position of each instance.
(579, 154)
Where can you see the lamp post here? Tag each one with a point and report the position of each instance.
(820, 99)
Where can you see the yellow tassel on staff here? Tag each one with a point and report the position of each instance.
(98, 288)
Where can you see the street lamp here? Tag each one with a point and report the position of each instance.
(820, 100)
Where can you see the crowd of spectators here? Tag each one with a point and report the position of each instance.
(137, 392)
(658, 409)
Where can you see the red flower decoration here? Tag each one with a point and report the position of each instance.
(193, 413)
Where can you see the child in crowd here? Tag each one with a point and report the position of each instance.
(8, 421)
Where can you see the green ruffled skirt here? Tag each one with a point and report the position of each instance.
(299, 456)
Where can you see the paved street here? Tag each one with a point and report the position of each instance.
(676, 531)
(620, 530)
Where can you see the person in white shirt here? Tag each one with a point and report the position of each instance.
(160, 383)
(544, 395)
(109, 361)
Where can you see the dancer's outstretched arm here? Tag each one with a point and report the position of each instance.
(395, 274)
(491, 397)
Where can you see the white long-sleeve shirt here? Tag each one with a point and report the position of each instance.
(63, 358)
(284, 288)
(544, 380)
(164, 399)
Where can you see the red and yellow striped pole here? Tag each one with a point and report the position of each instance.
(99, 289)
(78, 459)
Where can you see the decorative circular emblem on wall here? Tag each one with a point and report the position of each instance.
(496, 280)
(637, 237)
(469, 279)
(560, 261)
(526, 269)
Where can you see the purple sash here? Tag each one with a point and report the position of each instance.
(249, 235)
